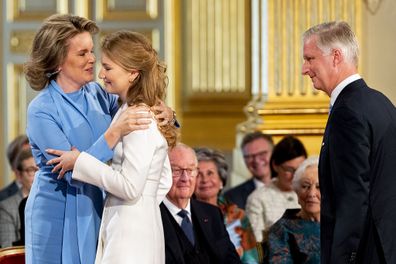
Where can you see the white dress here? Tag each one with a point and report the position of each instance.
(136, 183)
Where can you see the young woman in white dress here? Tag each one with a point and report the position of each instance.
(139, 176)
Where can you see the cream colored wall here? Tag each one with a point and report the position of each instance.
(378, 47)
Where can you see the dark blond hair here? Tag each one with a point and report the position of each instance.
(133, 51)
(50, 47)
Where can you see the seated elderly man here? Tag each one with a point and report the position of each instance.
(194, 231)
(295, 238)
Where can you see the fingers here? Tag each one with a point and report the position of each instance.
(56, 168)
(164, 122)
(61, 175)
(141, 121)
(138, 108)
(161, 115)
(53, 161)
(138, 127)
(54, 152)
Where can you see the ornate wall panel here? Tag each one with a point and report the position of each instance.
(216, 75)
(22, 10)
(127, 10)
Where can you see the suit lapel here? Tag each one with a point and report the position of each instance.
(203, 221)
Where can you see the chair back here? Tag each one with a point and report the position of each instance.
(12, 255)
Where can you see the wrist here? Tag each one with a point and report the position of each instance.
(173, 121)
(112, 135)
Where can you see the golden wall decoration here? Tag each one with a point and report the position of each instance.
(21, 41)
(17, 101)
(109, 10)
(216, 70)
(22, 10)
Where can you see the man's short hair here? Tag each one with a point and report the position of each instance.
(23, 155)
(14, 148)
(256, 135)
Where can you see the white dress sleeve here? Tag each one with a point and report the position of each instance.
(127, 182)
(165, 181)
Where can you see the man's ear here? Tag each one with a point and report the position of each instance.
(18, 175)
(338, 57)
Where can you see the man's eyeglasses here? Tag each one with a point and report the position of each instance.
(178, 172)
(30, 169)
(261, 155)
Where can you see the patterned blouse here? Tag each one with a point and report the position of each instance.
(294, 240)
(240, 231)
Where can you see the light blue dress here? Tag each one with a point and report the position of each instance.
(62, 217)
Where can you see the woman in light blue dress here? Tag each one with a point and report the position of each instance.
(63, 215)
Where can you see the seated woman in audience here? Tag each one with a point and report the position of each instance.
(212, 176)
(295, 238)
(267, 204)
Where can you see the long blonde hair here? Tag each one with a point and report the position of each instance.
(132, 50)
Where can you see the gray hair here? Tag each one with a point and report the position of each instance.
(181, 145)
(207, 154)
(335, 35)
(312, 161)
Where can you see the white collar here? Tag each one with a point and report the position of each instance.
(173, 209)
(341, 86)
(258, 183)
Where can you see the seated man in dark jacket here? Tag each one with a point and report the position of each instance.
(194, 231)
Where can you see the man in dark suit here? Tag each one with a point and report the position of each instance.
(197, 235)
(19, 143)
(358, 154)
(256, 149)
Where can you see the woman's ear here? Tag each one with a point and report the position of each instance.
(134, 75)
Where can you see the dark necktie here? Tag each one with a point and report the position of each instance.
(186, 225)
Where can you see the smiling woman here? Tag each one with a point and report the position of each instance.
(212, 176)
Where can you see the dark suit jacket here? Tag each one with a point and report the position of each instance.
(207, 219)
(239, 194)
(357, 175)
(8, 191)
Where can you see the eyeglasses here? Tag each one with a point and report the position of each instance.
(287, 169)
(178, 172)
(30, 169)
(261, 155)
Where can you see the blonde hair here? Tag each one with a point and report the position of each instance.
(335, 34)
(132, 50)
(50, 47)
